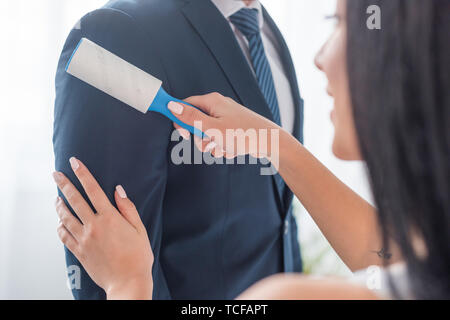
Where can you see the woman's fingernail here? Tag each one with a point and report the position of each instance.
(175, 107)
(210, 146)
(57, 177)
(74, 163)
(184, 133)
(121, 191)
(58, 201)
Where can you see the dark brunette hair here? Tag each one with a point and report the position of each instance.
(400, 88)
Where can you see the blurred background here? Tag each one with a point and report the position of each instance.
(33, 32)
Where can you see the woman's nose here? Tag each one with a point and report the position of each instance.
(318, 60)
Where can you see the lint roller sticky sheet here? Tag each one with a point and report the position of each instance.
(120, 79)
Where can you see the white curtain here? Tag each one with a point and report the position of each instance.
(32, 34)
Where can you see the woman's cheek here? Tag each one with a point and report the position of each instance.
(345, 144)
(341, 141)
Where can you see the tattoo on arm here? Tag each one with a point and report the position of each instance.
(383, 254)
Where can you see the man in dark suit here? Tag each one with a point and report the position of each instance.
(214, 229)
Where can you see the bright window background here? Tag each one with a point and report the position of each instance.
(33, 32)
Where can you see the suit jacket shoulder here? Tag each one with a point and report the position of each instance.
(118, 144)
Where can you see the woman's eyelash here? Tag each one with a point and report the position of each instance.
(333, 17)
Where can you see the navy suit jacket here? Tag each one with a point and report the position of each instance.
(215, 229)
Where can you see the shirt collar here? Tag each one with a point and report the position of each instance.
(230, 7)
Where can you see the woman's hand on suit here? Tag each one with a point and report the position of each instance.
(111, 244)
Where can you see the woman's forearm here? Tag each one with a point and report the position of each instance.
(348, 222)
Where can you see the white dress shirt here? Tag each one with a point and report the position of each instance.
(282, 85)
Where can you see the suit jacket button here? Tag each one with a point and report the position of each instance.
(286, 227)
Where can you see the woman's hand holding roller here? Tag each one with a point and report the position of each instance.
(225, 123)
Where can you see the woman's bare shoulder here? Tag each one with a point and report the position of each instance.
(299, 287)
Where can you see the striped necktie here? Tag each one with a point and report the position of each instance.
(246, 20)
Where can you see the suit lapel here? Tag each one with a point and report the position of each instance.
(298, 102)
(215, 31)
(289, 69)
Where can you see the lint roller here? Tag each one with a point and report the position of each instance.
(120, 79)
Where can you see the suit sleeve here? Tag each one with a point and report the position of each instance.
(118, 144)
